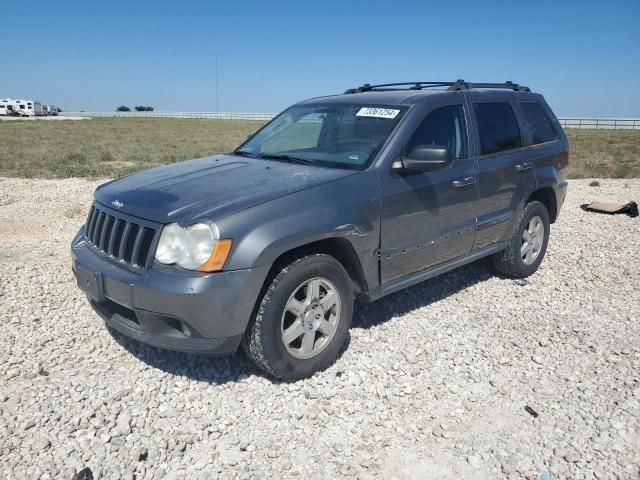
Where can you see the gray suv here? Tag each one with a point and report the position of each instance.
(338, 198)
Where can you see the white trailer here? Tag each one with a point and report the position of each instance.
(20, 107)
(4, 104)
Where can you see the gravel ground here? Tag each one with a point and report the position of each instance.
(434, 383)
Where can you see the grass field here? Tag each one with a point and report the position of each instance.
(111, 147)
(604, 153)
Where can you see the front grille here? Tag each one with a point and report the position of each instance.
(122, 238)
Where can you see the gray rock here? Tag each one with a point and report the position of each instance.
(475, 461)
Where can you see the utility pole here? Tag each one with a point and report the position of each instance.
(217, 102)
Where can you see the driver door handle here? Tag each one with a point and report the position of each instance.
(524, 166)
(463, 182)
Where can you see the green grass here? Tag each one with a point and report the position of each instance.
(111, 147)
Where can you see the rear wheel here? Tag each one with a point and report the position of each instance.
(303, 318)
(528, 243)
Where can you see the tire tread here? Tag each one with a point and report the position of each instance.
(507, 261)
(252, 342)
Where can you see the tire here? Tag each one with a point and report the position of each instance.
(510, 261)
(264, 341)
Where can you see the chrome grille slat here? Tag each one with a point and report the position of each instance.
(112, 237)
(98, 230)
(150, 253)
(135, 253)
(125, 240)
(92, 221)
(90, 217)
(105, 231)
(128, 247)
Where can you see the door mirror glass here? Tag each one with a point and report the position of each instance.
(424, 158)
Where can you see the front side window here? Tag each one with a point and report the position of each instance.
(443, 127)
(333, 135)
(539, 125)
(497, 127)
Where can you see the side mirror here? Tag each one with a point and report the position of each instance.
(423, 158)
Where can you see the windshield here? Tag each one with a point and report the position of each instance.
(333, 135)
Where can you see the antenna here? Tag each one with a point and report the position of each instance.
(217, 103)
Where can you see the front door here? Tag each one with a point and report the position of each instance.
(429, 218)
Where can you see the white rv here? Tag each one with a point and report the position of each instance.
(4, 106)
(20, 107)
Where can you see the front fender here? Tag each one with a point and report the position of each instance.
(345, 208)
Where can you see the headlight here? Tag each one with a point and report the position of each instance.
(197, 247)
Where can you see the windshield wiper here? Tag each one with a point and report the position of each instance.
(243, 153)
(288, 158)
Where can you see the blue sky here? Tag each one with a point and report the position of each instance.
(582, 55)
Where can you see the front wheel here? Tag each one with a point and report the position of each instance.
(303, 318)
(528, 243)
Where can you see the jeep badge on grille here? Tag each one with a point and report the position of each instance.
(117, 203)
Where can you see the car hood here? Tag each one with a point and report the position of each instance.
(209, 188)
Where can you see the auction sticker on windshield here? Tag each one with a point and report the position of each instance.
(377, 112)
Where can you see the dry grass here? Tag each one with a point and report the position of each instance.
(604, 153)
(112, 147)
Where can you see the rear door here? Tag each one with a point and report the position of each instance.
(543, 140)
(429, 218)
(505, 174)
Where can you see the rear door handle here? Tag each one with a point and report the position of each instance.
(524, 166)
(463, 182)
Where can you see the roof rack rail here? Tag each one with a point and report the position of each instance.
(453, 86)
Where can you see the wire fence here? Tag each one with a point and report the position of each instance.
(212, 115)
(566, 122)
(601, 123)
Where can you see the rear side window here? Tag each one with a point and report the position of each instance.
(443, 127)
(497, 126)
(539, 125)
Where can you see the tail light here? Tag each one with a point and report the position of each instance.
(565, 157)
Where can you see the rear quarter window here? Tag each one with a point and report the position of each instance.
(497, 127)
(539, 124)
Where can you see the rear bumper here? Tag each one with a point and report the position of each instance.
(561, 194)
(168, 307)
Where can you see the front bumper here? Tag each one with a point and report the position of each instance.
(167, 307)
